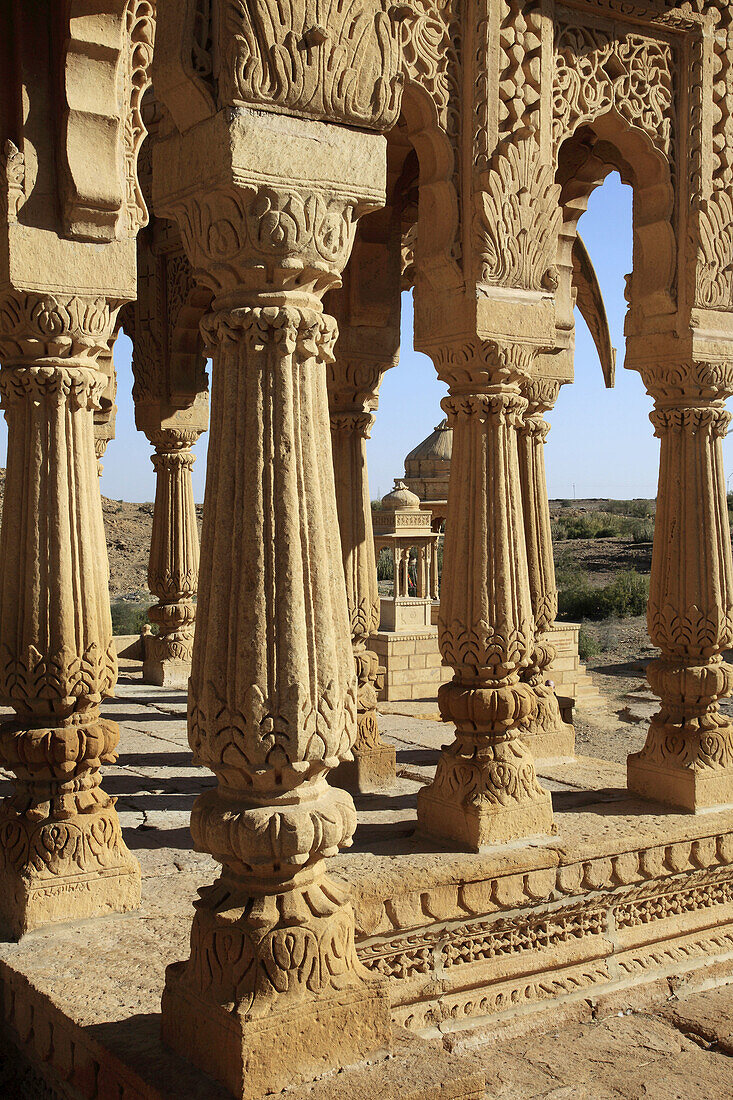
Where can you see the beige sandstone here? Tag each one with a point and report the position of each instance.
(450, 147)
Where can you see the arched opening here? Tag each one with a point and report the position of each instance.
(602, 458)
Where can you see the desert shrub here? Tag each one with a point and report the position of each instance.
(637, 509)
(588, 646)
(602, 525)
(643, 531)
(626, 595)
(567, 570)
(608, 634)
(129, 616)
(385, 566)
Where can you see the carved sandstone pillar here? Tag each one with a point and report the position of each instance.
(548, 735)
(61, 849)
(173, 568)
(687, 760)
(485, 789)
(273, 990)
(373, 766)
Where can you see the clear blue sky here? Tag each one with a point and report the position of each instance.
(601, 443)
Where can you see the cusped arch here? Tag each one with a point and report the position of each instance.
(438, 220)
(584, 161)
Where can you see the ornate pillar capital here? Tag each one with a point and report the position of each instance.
(45, 329)
(252, 238)
(483, 366)
(352, 423)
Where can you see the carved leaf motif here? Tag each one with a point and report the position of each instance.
(517, 219)
(714, 287)
(596, 70)
(345, 67)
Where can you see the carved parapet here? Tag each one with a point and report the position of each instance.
(688, 757)
(485, 790)
(62, 850)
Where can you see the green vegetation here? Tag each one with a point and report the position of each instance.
(130, 616)
(626, 595)
(602, 525)
(385, 566)
(639, 508)
(588, 645)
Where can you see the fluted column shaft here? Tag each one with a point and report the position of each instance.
(173, 567)
(550, 736)
(373, 765)
(62, 849)
(687, 760)
(273, 968)
(485, 789)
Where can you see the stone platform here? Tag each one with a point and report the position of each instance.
(624, 901)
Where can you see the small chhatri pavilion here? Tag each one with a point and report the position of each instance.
(407, 641)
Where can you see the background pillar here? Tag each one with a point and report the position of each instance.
(485, 789)
(373, 766)
(550, 736)
(173, 568)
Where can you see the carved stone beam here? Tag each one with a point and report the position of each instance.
(267, 207)
(485, 789)
(547, 734)
(63, 853)
(687, 760)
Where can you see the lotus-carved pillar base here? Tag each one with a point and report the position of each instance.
(174, 562)
(485, 790)
(687, 760)
(62, 856)
(272, 992)
(546, 732)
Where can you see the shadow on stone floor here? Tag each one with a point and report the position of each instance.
(142, 720)
(385, 801)
(150, 838)
(157, 760)
(426, 757)
(136, 1042)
